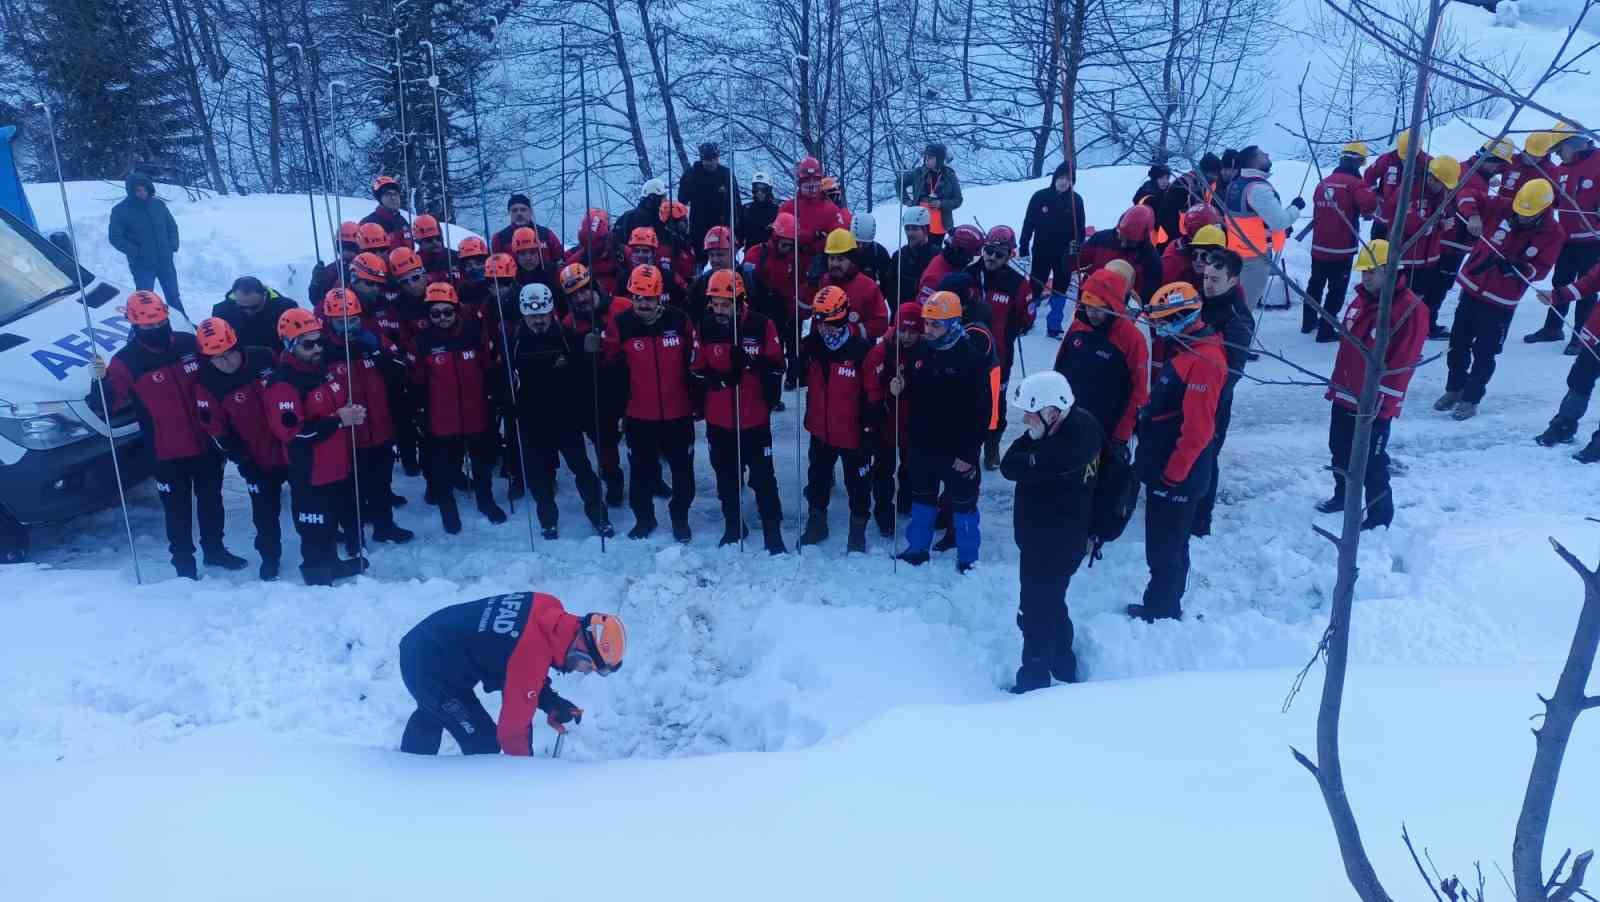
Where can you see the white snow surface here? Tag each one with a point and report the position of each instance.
(819, 723)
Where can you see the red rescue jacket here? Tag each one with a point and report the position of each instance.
(814, 218)
(547, 633)
(1468, 202)
(1383, 177)
(1338, 204)
(394, 223)
(1410, 320)
(837, 390)
(1011, 309)
(302, 411)
(713, 363)
(656, 357)
(1578, 197)
(1108, 368)
(1508, 257)
(160, 384)
(869, 313)
(378, 363)
(1425, 250)
(1178, 424)
(454, 368)
(233, 410)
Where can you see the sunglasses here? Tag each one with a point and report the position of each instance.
(447, 313)
(785, 245)
(412, 279)
(312, 344)
(997, 251)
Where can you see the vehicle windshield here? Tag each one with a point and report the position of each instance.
(33, 272)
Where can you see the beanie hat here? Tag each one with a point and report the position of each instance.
(518, 199)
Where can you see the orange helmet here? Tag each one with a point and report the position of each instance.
(215, 336)
(596, 224)
(340, 303)
(426, 226)
(645, 281)
(524, 239)
(145, 308)
(725, 283)
(349, 233)
(296, 322)
(783, 226)
(370, 268)
(829, 183)
(500, 266)
(442, 293)
(403, 261)
(672, 209)
(575, 276)
(383, 183)
(644, 236)
(606, 641)
(719, 238)
(831, 305)
(371, 237)
(1172, 299)
(472, 246)
(942, 305)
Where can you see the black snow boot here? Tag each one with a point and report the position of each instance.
(600, 519)
(1335, 502)
(389, 532)
(680, 530)
(1562, 431)
(1033, 674)
(516, 490)
(733, 533)
(884, 516)
(1590, 452)
(218, 556)
(1550, 331)
(449, 513)
(914, 558)
(816, 526)
(946, 541)
(991, 451)
(348, 568)
(269, 569)
(642, 529)
(491, 510)
(1064, 664)
(550, 533)
(186, 566)
(772, 537)
(858, 535)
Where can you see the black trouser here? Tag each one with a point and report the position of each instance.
(1326, 287)
(1168, 520)
(1436, 283)
(650, 442)
(317, 511)
(1379, 231)
(266, 508)
(1476, 337)
(445, 456)
(543, 447)
(1575, 260)
(886, 465)
(403, 410)
(819, 477)
(754, 448)
(1045, 567)
(375, 468)
(1580, 384)
(190, 488)
(1341, 430)
(441, 705)
(1050, 263)
(1208, 502)
(146, 272)
(607, 438)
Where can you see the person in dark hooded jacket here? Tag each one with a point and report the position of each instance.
(646, 215)
(252, 309)
(1156, 194)
(704, 187)
(143, 230)
(1053, 230)
(1224, 309)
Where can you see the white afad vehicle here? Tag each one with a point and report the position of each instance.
(55, 454)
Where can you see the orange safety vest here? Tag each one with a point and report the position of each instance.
(1248, 235)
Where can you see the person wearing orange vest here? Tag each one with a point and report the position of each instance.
(1256, 220)
(934, 187)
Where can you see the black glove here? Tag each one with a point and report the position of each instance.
(738, 360)
(1507, 267)
(1022, 251)
(1121, 453)
(558, 710)
(1298, 203)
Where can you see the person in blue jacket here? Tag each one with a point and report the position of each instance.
(143, 230)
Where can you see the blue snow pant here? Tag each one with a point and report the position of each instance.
(146, 273)
(927, 470)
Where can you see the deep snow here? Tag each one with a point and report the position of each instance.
(233, 739)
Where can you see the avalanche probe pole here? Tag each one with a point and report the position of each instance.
(349, 366)
(799, 416)
(316, 240)
(405, 136)
(88, 334)
(894, 451)
(516, 422)
(562, 107)
(594, 286)
(438, 128)
(310, 94)
(733, 270)
(560, 740)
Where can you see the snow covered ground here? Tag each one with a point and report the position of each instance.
(815, 724)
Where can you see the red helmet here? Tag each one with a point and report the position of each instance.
(426, 226)
(596, 224)
(643, 236)
(145, 308)
(500, 266)
(1001, 235)
(339, 303)
(371, 237)
(350, 233)
(524, 239)
(1198, 217)
(719, 238)
(442, 293)
(215, 336)
(403, 261)
(370, 268)
(472, 246)
(966, 239)
(1136, 224)
(807, 168)
(784, 226)
(297, 321)
(383, 183)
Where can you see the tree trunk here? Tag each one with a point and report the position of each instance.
(619, 49)
(803, 79)
(181, 25)
(1048, 98)
(966, 53)
(1169, 88)
(1561, 711)
(269, 58)
(1071, 64)
(658, 66)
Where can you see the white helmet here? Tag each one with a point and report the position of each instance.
(1046, 388)
(536, 300)
(761, 178)
(654, 186)
(914, 216)
(864, 227)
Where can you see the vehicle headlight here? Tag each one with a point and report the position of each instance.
(42, 427)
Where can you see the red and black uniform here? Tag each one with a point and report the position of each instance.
(1338, 205)
(1519, 172)
(1009, 299)
(549, 245)
(592, 253)
(1585, 366)
(934, 273)
(555, 402)
(159, 377)
(770, 274)
(1409, 316)
(1422, 243)
(453, 368)
(509, 644)
(841, 401)
(1174, 461)
(380, 375)
(1503, 263)
(395, 224)
(1383, 178)
(1105, 245)
(234, 413)
(1455, 243)
(869, 315)
(659, 416)
(814, 218)
(1577, 184)
(950, 396)
(604, 423)
(738, 421)
(303, 405)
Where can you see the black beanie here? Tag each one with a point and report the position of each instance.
(1158, 170)
(1210, 163)
(519, 199)
(1063, 168)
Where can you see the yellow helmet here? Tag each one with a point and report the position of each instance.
(1402, 142)
(1534, 198)
(1446, 169)
(1209, 236)
(840, 241)
(1500, 148)
(1538, 144)
(1373, 256)
(1357, 148)
(1562, 129)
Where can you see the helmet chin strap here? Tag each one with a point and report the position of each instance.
(1177, 326)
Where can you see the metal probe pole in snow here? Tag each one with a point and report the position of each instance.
(733, 270)
(88, 335)
(588, 254)
(327, 174)
(405, 136)
(560, 740)
(349, 366)
(316, 240)
(438, 128)
(515, 420)
(799, 417)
